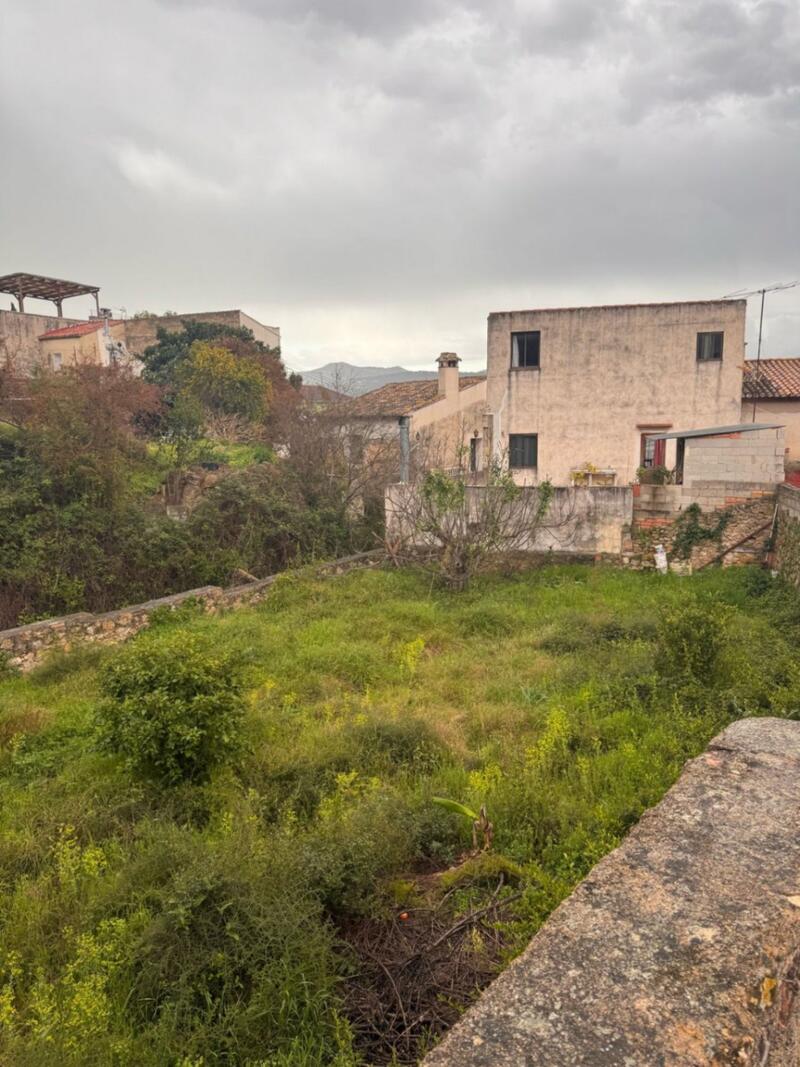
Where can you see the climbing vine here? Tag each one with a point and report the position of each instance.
(787, 553)
(691, 532)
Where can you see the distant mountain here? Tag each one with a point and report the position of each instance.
(352, 380)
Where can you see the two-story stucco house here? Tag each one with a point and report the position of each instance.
(572, 388)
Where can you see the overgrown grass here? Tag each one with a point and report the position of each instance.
(197, 924)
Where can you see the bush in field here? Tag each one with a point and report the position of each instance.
(690, 642)
(172, 709)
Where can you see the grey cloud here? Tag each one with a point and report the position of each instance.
(377, 176)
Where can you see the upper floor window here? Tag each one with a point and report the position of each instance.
(525, 349)
(709, 346)
(523, 449)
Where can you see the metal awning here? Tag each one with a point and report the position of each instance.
(716, 431)
(38, 287)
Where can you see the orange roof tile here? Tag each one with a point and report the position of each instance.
(78, 329)
(778, 379)
(401, 398)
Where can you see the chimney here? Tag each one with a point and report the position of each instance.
(448, 374)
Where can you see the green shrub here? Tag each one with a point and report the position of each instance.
(690, 641)
(172, 709)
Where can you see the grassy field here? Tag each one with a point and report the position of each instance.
(251, 919)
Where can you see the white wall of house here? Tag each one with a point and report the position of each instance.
(608, 375)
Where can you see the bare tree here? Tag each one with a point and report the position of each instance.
(461, 528)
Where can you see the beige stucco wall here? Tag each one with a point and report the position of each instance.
(607, 375)
(90, 348)
(785, 411)
(140, 333)
(20, 350)
(442, 429)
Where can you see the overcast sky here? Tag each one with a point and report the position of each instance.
(376, 176)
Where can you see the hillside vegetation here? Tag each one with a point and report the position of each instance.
(151, 914)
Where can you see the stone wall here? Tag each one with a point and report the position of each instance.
(787, 535)
(581, 521)
(25, 646)
(682, 947)
(744, 524)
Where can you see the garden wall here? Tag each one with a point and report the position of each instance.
(25, 646)
(682, 947)
(787, 537)
(581, 521)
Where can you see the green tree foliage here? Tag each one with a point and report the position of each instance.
(222, 383)
(163, 361)
(171, 708)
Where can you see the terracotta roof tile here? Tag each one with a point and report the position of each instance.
(402, 398)
(778, 379)
(78, 329)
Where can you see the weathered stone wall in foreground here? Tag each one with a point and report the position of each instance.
(682, 947)
(787, 534)
(25, 646)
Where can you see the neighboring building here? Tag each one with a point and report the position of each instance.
(20, 331)
(20, 347)
(771, 390)
(99, 342)
(444, 417)
(574, 388)
(139, 333)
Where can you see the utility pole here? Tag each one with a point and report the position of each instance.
(763, 292)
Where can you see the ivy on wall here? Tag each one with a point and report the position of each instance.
(787, 547)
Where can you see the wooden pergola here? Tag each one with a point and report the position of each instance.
(38, 287)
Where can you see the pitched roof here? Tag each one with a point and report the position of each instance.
(321, 394)
(78, 329)
(401, 398)
(777, 379)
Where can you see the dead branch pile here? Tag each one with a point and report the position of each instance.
(414, 975)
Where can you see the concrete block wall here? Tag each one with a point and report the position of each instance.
(682, 947)
(752, 456)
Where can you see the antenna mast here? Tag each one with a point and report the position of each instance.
(763, 292)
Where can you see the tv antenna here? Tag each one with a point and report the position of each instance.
(755, 292)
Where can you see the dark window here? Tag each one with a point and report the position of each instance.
(653, 452)
(473, 454)
(709, 347)
(525, 349)
(522, 450)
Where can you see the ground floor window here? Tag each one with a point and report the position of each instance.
(523, 449)
(654, 453)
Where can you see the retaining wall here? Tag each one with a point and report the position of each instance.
(682, 947)
(26, 646)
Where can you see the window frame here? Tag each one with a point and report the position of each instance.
(527, 365)
(516, 442)
(717, 346)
